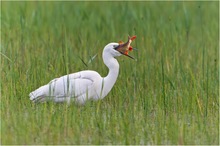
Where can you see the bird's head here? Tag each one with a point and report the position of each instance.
(121, 48)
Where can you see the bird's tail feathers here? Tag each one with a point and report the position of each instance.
(39, 95)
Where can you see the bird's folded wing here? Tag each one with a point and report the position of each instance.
(74, 85)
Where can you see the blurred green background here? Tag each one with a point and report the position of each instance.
(169, 95)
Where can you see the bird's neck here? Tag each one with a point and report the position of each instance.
(111, 78)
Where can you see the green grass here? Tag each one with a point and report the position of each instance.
(170, 95)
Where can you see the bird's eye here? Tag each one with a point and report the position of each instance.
(115, 46)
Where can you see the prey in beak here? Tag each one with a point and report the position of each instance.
(124, 48)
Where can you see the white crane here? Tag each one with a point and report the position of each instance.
(85, 85)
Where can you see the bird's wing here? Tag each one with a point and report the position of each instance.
(75, 84)
(72, 85)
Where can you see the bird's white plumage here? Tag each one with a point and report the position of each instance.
(83, 85)
(80, 85)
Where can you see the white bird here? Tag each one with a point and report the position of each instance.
(85, 85)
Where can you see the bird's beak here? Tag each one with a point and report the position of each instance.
(124, 48)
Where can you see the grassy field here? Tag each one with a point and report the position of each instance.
(169, 95)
